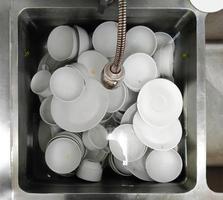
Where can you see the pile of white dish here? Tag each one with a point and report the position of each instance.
(134, 128)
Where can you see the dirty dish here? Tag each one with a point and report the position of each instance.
(140, 39)
(45, 111)
(158, 138)
(160, 102)
(94, 62)
(63, 155)
(121, 143)
(117, 98)
(127, 118)
(138, 168)
(95, 138)
(90, 171)
(84, 113)
(104, 38)
(164, 166)
(67, 84)
(62, 43)
(139, 69)
(40, 83)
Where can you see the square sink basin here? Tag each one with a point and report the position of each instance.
(214, 89)
(34, 26)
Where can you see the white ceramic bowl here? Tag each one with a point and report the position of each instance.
(127, 118)
(95, 138)
(164, 166)
(124, 144)
(94, 62)
(117, 98)
(140, 39)
(164, 39)
(104, 38)
(67, 84)
(160, 102)
(158, 138)
(208, 6)
(63, 155)
(62, 43)
(90, 171)
(84, 40)
(139, 69)
(72, 116)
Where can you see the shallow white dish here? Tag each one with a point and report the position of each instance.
(208, 6)
(124, 144)
(127, 118)
(94, 62)
(139, 69)
(86, 112)
(164, 166)
(160, 102)
(158, 138)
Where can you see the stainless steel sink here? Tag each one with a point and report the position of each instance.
(31, 22)
(214, 86)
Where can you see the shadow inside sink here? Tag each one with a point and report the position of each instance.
(214, 87)
(34, 26)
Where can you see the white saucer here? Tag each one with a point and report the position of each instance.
(86, 112)
(208, 6)
(160, 102)
(158, 138)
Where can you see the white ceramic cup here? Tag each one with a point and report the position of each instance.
(105, 38)
(140, 39)
(139, 69)
(40, 83)
(90, 171)
(164, 166)
(67, 84)
(124, 144)
(45, 111)
(63, 155)
(95, 138)
(160, 102)
(62, 43)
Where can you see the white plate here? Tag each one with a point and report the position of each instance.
(138, 168)
(127, 118)
(139, 69)
(160, 102)
(158, 138)
(164, 166)
(86, 112)
(94, 62)
(124, 144)
(208, 6)
(117, 98)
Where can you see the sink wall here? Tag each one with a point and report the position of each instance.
(34, 26)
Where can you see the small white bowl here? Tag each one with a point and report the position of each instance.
(160, 102)
(127, 118)
(139, 69)
(140, 39)
(63, 155)
(97, 155)
(90, 171)
(208, 6)
(94, 62)
(67, 84)
(163, 40)
(158, 138)
(45, 111)
(117, 98)
(164, 166)
(124, 144)
(81, 68)
(104, 38)
(40, 83)
(95, 138)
